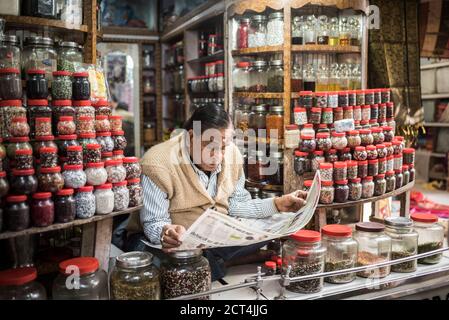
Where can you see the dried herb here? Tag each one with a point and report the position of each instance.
(409, 266)
(430, 246)
(144, 289)
(304, 269)
(178, 283)
(366, 259)
(340, 265)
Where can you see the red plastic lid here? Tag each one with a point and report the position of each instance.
(61, 73)
(354, 132)
(95, 165)
(308, 125)
(24, 152)
(117, 133)
(73, 167)
(336, 230)
(398, 171)
(2, 174)
(137, 180)
(321, 93)
(375, 106)
(356, 180)
(51, 170)
(381, 146)
(424, 217)
(341, 182)
(84, 264)
(409, 150)
(308, 183)
(103, 134)
(411, 166)
(360, 149)
(348, 108)
(292, 127)
(113, 163)
(243, 64)
(371, 147)
(18, 276)
(11, 103)
(352, 163)
(270, 264)
(301, 154)
(68, 137)
(75, 148)
(327, 183)
(115, 117)
(340, 164)
(130, 160)
(105, 186)
(102, 103)
(9, 70)
(38, 102)
(36, 71)
(299, 109)
(342, 93)
(376, 130)
(87, 135)
(375, 161)
(318, 153)
(364, 122)
(27, 172)
(387, 144)
(399, 138)
(332, 151)
(357, 107)
(42, 195)
(106, 154)
(86, 189)
(43, 119)
(66, 118)
(326, 165)
(322, 126)
(338, 134)
(322, 135)
(398, 156)
(86, 118)
(19, 139)
(366, 107)
(346, 150)
(306, 236)
(82, 103)
(80, 74)
(405, 167)
(387, 128)
(21, 198)
(306, 137)
(120, 184)
(390, 104)
(19, 119)
(389, 173)
(65, 192)
(118, 153)
(45, 138)
(93, 146)
(101, 118)
(318, 110)
(62, 103)
(369, 178)
(373, 121)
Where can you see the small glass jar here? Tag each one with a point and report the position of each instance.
(380, 185)
(327, 116)
(412, 172)
(430, 236)
(74, 176)
(116, 123)
(42, 210)
(275, 122)
(331, 156)
(258, 77)
(17, 213)
(10, 84)
(371, 152)
(10, 109)
(81, 86)
(388, 133)
(103, 108)
(397, 162)
(93, 282)
(135, 193)
(399, 178)
(64, 142)
(19, 127)
(366, 113)
(306, 99)
(389, 148)
(74, 155)
(338, 114)
(93, 153)
(406, 174)
(38, 109)
(360, 97)
(62, 108)
(302, 163)
(307, 144)
(104, 199)
(354, 139)
(343, 99)
(367, 187)
(102, 124)
(275, 29)
(323, 141)
(327, 192)
(85, 124)
(241, 76)
(65, 206)
(340, 171)
(391, 181)
(404, 243)
(390, 163)
(321, 99)
(121, 195)
(61, 88)
(390, 110)
(96, 174)
(20, 284)
(352, 169)
(378, 136)
(43, 142)
(327, 171)
(105, 141)
(357, 113)
(382, 111)
(300, 116)
(257, 161)
(381, 151)
(374, 247)
(345, 155)
(409, 156)
(360, 154)
(85, 202)
(243, 33)
(355, 189)
(292, 136)
(83, 108)
(66, 125)
(36, 84)
(43, 127)
(24, 159)
(134, 277)
(341, 191)
(132, 167)
(373, 167)
(315, 116)
(305, 255)
(50, 179)
(397, 147)
(17, 143)
(339, 140)
(23, 182)
(341, 252)
(374, 112)
(317, 159)
(275, 76)
(348, 113)
(116, 171)
(362, 169)
(382, 165)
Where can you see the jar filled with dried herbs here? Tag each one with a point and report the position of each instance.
(430, 236)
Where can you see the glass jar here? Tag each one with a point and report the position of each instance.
(380, 185)
(307, 129)
(366, 113)
(36, 84)
(352, 169)
(64, 142)
(50, 179)
(132, 167)
(106, 156)
(412, 172)
(381, 151)
(93, 282)
(243, 33)
(85, 139)
(340, 171)
(343, 99)
(10, 52)
(327, 171)
(378, 136)
(23, 182)
(298, 30)
(399, 178)
(116, 171)
(404, 242)
(374, 112)
(9, 110)
(66, 125)
(17, 213)
(258, 77)
(275, 74)
(10, 84)
(93, 153)
(345, 155)
(38, 109)
(42, 210)
(62, 108)
(388, 133)
(74, 176)
(121, 195)
(292, 136)
(327, 116)
(362, 171)
(374, 247)
(119, 140)
(81, 86)
(20, 284)
(43, 142)
(61, 88)
(397, 162)
(39, 53)
(105, 141)
(341, 191)
(371, 152)
(382, 165)
(65, 206)
(339, 140)
(24, 159)
(116, 123)
(327, 192)
(305, 255)
(315, 116)
(104, 199)
(297, 78)
(96, 173)
(390, 110)
(355, 189)
(307, 144)
(390, 163)
(409, 156)
(317, 159)
(306, 99)
(257, 32)
(391, 181)
(102, 124)
(241, 118)
(257, 161)
(134, 277)
(302, 163)
(373, 167)
(257, 118)
(15, 144)
(85, 124)
(357, 113)
(70, 56)
(323, 141)
(43, 127)
(85, 202)
(103, 108)
(430, 236)
(241, 77)
(275, 29)
(75, 155)
(135, 193)
(366, 137)
(341, 252)
(360, 154)
(354, 140)
(275, 122)
(367, 187)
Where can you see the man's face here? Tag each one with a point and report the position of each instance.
(208, 150)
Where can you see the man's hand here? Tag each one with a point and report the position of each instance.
(171, 236)
(291, 202)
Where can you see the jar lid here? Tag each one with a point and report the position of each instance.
(357, 107)
(68, 44)
(405, 167)
(66, 118)
(369, 227)
(387, 144)
(318, 153)
(292, 127)
(353, 132)
(276, 15)
(65, 192)
(43, 119)
(371, 148)
(85, 265)
(71, 167)
(305, 93)
(115, 117)
(10, 38)
(400, 222)
(23, 152)
(317, 110)
(352, 163)
(389, 173)
(340, 164)
(306, 137)
(42, 195)
(87, 135)
(9, 70)
(338, 134)
(409, 150)
(306, 236)
(136, 180)
(86, 118)
(104, 186)
(375, 161)
(19, 139)
(95, 165)
(113, 162)
(355, 180)
(86, 189)
(135, 259)
(276, 63)
(308, 183)
(270, 264)
(366, 107)
(259, 63)
(258, 18)
(120, 184)
(243, 20)
(277, 109)
(381, 146)
(106, 154)
(82, 103)
(360, 149)
(39, 40)
(259, 108)
(347, 150)
(67, 137)
(348, 108)
(80, 74)
(390, 104)
(327, 183)
(342, 93)
(411, 166)
(399, 138)
(398, 156)
(341, 182)
(376, 130)
(75, 148)
(45, 138)
(62, 73)
(101, 117)
(336, 230)
(38, 102)
(380, 176)
(17, 276)
(20, 198)
(382, 159)
(117, 133)
(186, 254)
(398, 171)
(326, 165)
(51, 170)
(368, 178)
(36, 71)
(11, 103)
(387, 128)
(308, 126)
(103, 134)
(424, 217)
(322, 135)
(62, 103)
(243, 64)
(301, 154)
(27, 172)
(332, 151)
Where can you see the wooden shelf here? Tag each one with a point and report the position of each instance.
(435, 96)
(325, 48)
(436, 124)
(128, 31)
(257, 51)
(259, 95)
(59, 226)
(370, 200)
(23, 21)
(214, 57)
(435, 65)
(263, 186)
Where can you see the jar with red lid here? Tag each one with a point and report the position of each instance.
(327, 171)
(43, 142)
(102, 124)
(17, 213)
(118, 155)
(23, 182)
(389, 148)
(102, 108)
(348, 113)
(380, 185)
(307, 185)
(341, 191)
(388, 133)
(116, 123)
(83, 108)
(62, 108)
(338, 114)
(360, 154)
(371, 152)
(36, 84)
(378, 136)
(390, 110)
(302, 163)
(10, 84)
(409, 156)
(86, 124)
(306, 99)
(367, 187)
(382, 165)
(366, 113)
(391, 181)
(317, 159)
(24, 159)
(96, 174)
(343, 99)
(42, 210)
(321, 99)
(352, 171)
(390, 163)
(93, 153)
(38, 109)
(315, 116)
(65, 206)
(243, 33)
(324, 128)
(74, 176)
(341, 252)
(360, 97)
(4, 187)
(105, 141)
(357, 113)
(355, 189)
(397, 147)
(397, 162)
(382, 111)
(373, 123)
(85, 202)
(365, 125)
(323, 141)
(116, 171)
(10, 109)
(85, 139)
(327, 192)
(135, 193)
(119, 139)
(43, 127)
(406, 174)
(307, 144)
(66, 125)
(369, 97)
(20, 284)
(412, 172)
(81, 86)
(121, 195)
(65, 141)
(374, 112)
(74, 155)
(327, 116)
(430, 236)
(93, 281)
(19, 127)
(354, 139)
(61, 87)
(133, 168)
(15, 144)
(50, 179)
(305, 255)
(381, 150)
(399, 178)
(373, 167)
(362, 169)
(104, 199)
(345, 155)
(339, 140)
(331, 156)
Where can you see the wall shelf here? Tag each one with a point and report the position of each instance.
(435, 96)
(436, 124)
(24, 21)
(258, 50)
(325, 49)
(435, 65)
(218, 56)
(259, 95)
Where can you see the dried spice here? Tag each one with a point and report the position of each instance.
(176, 283)
(85, 203)
(340, 265)
(409, 266)
(366, 259)
(304, 269)
(430, 246)
(121, 196)
(127, 289)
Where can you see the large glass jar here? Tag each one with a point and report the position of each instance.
(257, 161)
(430, 236)
(243, 33)
(24, 182)
(20, 284)
(92, 281)
(302, 163)
(135, 277)
(380, 185)
(61, 88)
(24, 159)
(305, 254)
(341, 191)
(10, 53)
(81, 86)
(15, 144)
(74, 176)
(10, 109)
(119, 140)
(96, 174)
(275, 76)
(104, 199)
(50, 179)
(367, 187)
(341, 252)
(43, 142)
(116, 171)
(374, 247)
(38, 109)
(70, 56)
(339, 140)
(121, 195)
(42, 210)
(257, 32)
(61, 108)
(10, 84)
(17, 213)
(258, 77)
(64, 142)
(85, 202)
(36, 84)
(257, 119)
(105, 141)
(132, 167)
(39, 53)
(65, 206)
(404, 242)
(184, 273)
(275, 29)
(42, 9)
(135, 193)
(275, 123)
(241, 77)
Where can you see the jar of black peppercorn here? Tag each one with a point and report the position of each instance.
(74, 155)
(302, 163)
(65, 206)
(48, 157)
(24, 159)
(36, 85)
(10, 84)
(24, 182)
(119, 140)
(81, 86)
(17, 213)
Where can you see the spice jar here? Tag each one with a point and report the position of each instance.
(75, 155)
(275, 122)
(65, 206)
(85, 125)
(74, 176)
(83, 108)
(121, 196)
(341, 252)
(305, 255)
(327, 116)
(15, 144)
(17, 213)
(23, 159)
(105, 141)
(10, 84)
(39, 109)
(390, 163)
(43, 127)
(374, 247)
(339, 140)
(43, 142)
(397, 162)
(242, 33)
(104, 199)
(116, 123)
(360, 154)
(135, 193)
(352, 171)
(323, 141)
(61, 88)
(50, 179)
(327, 192)
(430, 236)
(134, 277)
(317, 159)
(85, 202)
(66, 125)
(36, 84)
(19, 127)
(81, 86)
(116, 171)
(399, 178)
(102, 124)
(367, 187)
(48, 157)
(103, 108)
(93, 282)
(93, 153)
(391, 181)
(64, 142)
(242, 77)
(4, 186)
(382, 165)
(302, 163)
(340, 171)
(307, 144)
(357, 113)
(345, 154)
(275, 82)
(397, 147)
(291, 136)
(390, 110)
(132, 167)
(321, 99)
(378, 136)
(354, 139)
(10, 109)
(348, 113)
(327, 171)
(341, 191)
(315, 116)
(409, 156)
(258, 76)
(371, 152)
(380, 185)
(20, 284)
(412, 172)
(366, 113)
(373, 167)
(23, 182)
(355, 189)
(306, 99)
(62, 108)
(42, 210)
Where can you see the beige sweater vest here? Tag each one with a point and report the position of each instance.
(168, 166)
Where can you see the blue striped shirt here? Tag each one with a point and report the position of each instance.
(155, 214)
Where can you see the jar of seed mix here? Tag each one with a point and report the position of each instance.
(62, 108)
(83, 108)
(362, 169)
(327, 171)
(116, 123)
(341, 191)
(367, 187)
(380, 185)
(378, 136)
(19, 127)
(135, 193)
(360, 154)
(86, 124)
(317, 159)
(292, 136)
(81, 86)
(300, 116)
(373, 167)
(65, 206)
(430, 236)
(302, 163)
(321, 99)
(102, 124)
(85, 202)
(116, 171)
(371, 152)
(96, 174)
(338, 114)
(323, 141)
(61, 87)
(10, 109)
(354, 139)
(366, 113)
(327, 192)
(391, 181)
(339, 140)
(327, 116)
(307, 144)
(43, 127)
(121, 195)
(120, 142)
(64, 142)
(409, 156)
(38, 109)
(331, 156)
(382, 165)
(345, 155)
(24, 159)
(355, 189)
(348, 112)
(75, 155)
(390, 110)
(352, 169)
(397, 147)
(132, 167)
(398, 162)
(66, 125)
(103, 108)
(105, 141)
(50, 179)
(315, 116)
(340, 171)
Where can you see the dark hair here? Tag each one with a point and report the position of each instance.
(123, 106)
(211, 116)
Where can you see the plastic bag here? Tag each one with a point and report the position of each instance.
(344, 125)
